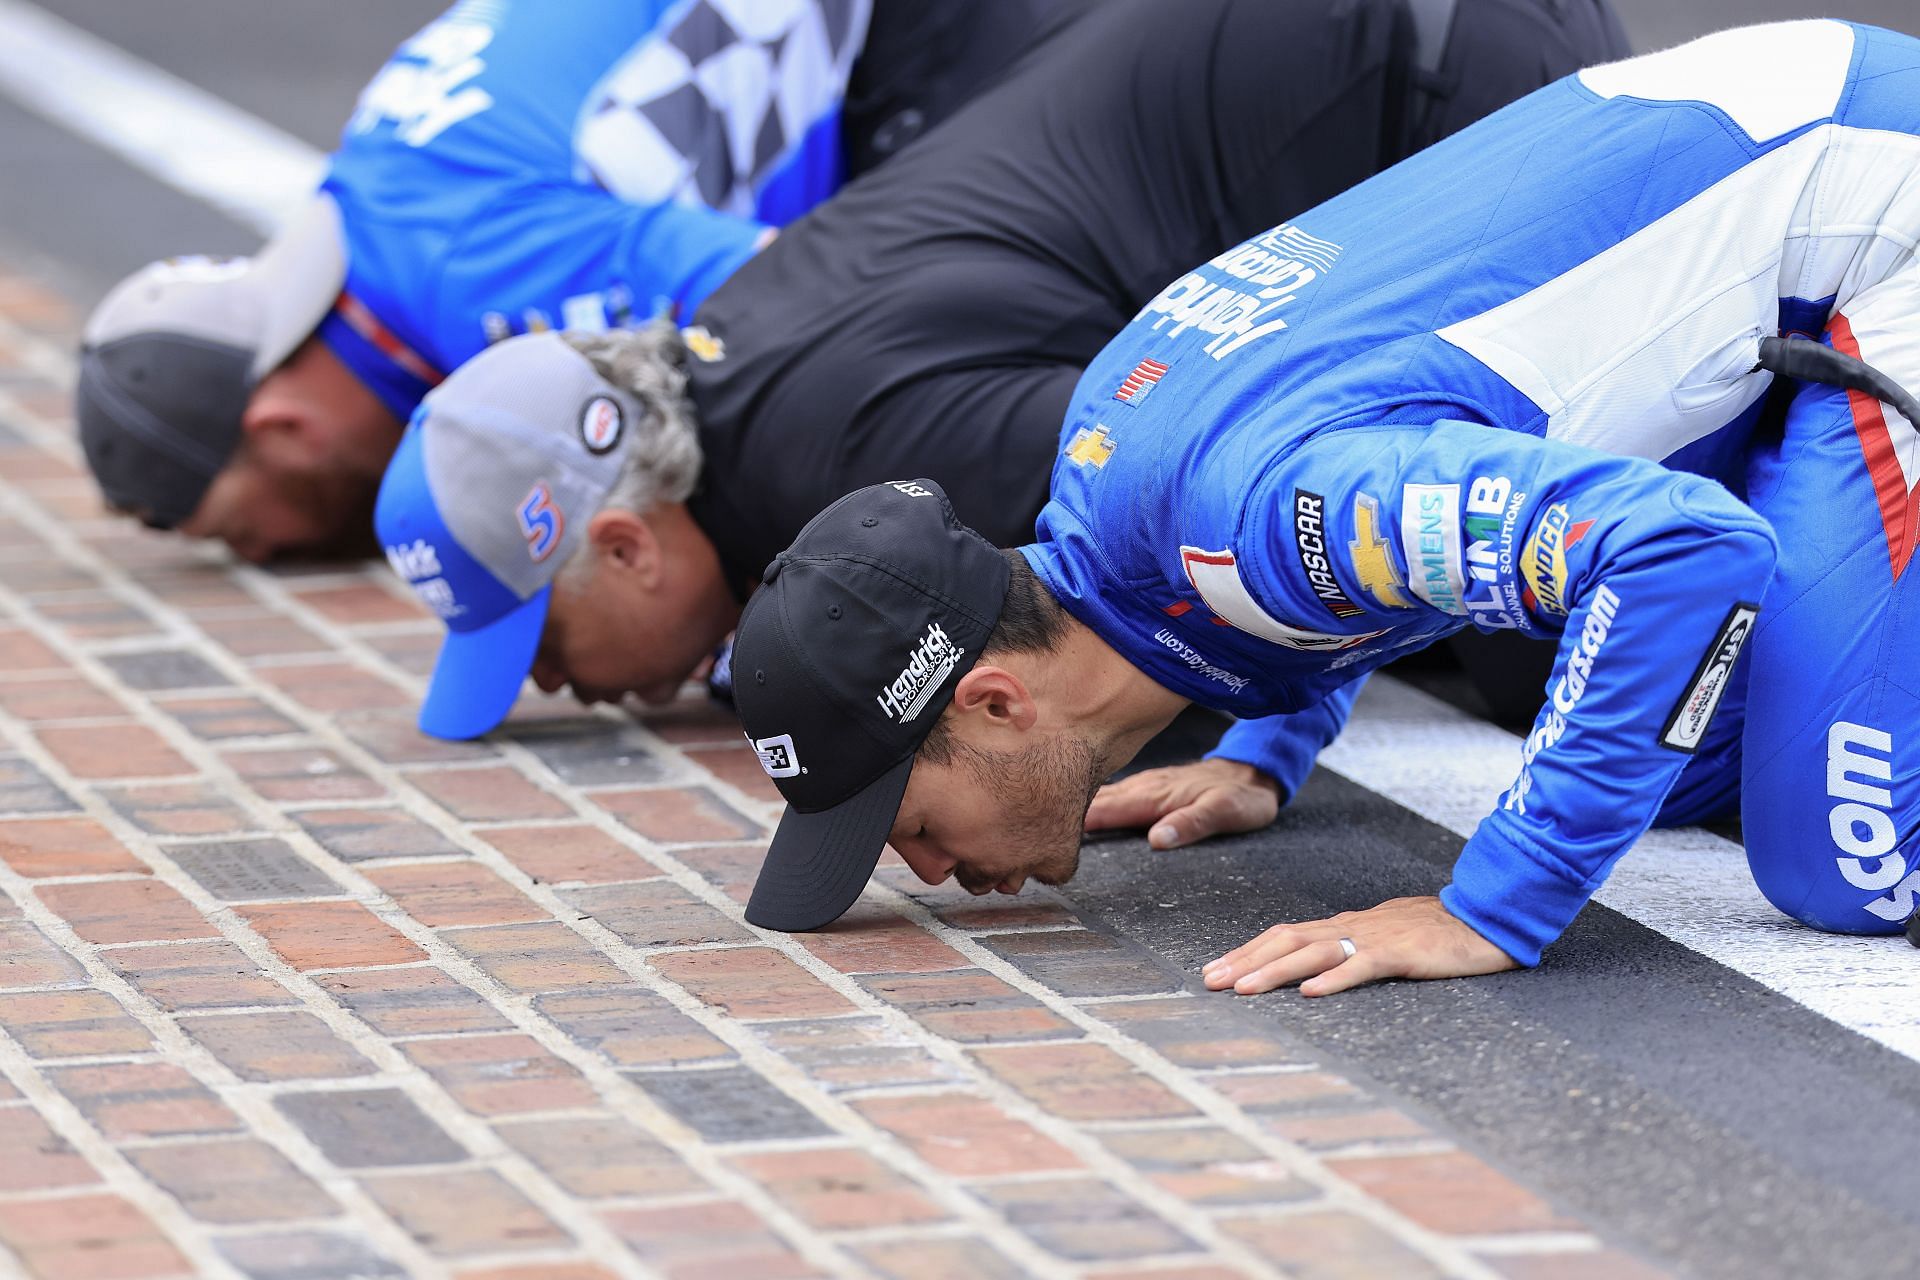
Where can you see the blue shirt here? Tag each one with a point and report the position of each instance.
(1444, 399)
(575, 164)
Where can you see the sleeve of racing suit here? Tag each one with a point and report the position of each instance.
(1284, 747)
(536, 249)
(1651, 580)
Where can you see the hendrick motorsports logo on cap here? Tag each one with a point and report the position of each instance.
(931, 662)
(601, 423)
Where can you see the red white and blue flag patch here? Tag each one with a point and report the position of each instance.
(1145, 377)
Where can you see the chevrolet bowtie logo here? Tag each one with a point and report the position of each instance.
(1372, 561)
(1090, 448)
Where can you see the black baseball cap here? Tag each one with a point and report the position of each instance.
(842, 663)
(170, 358)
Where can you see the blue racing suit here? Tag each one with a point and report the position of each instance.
(1476, 390)
(575, 163)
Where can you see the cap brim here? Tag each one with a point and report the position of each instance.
(478, 675)
(819, 862)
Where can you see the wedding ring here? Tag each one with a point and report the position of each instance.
(1346, 945)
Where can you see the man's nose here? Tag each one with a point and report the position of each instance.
(931, 866)
(547, 675)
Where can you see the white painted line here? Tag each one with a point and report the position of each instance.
(1688, 884)
(157, 122)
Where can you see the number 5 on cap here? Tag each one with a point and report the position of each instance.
(541, 522)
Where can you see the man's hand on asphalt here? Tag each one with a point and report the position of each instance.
(1400, 938)
(1185, 803)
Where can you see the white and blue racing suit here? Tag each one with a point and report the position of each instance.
(1477, 389)
(575, 164)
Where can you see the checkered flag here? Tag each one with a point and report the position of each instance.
(705, 107)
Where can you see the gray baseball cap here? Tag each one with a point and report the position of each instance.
(488, 495)
(169, 359)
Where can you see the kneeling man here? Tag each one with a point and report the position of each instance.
(1466, 396)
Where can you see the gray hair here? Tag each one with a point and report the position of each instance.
(663, 458)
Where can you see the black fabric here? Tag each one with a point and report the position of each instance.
(933, 318)
(924, 59)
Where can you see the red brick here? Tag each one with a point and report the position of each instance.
(939, 1258)
(125, 750)
(76, 699)
(542, 1271)
(261, 634)
(359, 604)
(654, 913)
(1205, 1271)
(839, 1054)
(602, 1156)
(414, 1001)
(488, 795)
(500, 1075)
(71, 1024)
(751, 982)
(711, 1240)
(1263, 1091)
(21, 651)
(179, 809)
(197, 975)
(394, 736)
(1452, 1192)
(739, 767)
(1083, 1082)
(1325, 1132)
(632, 1027)
(294, 775)
(840, 1189)
(35, 1158)
(97, 616)
(1330, 1245)
(731, 868)
(64, 847)
(292, 1045)
(332, 686)
(329, 935)
(971, 1006)
(97, 1237)
(125, 911)
(966, 1136)
(673, 815)
(143, 1100)
(237, 1181)
(691, 718)
(872, 939)
(531, 958)
(455, 1215)
(366, 835)
(455, 893)
(1083, 1219)
(999, 911)
(29, 959)
(569, 855)
(1207, 1166)
(227, 716)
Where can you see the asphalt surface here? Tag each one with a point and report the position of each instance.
(1695, 1116)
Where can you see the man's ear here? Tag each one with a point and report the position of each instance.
(626, 542)
(991, 698)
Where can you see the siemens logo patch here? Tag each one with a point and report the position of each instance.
(1310, 541)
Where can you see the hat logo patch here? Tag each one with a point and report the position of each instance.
(541, 523)
(931, 662)
(777, 756)
(601, 424)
